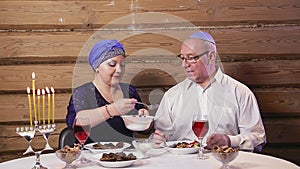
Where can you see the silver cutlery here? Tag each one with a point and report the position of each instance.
(149, 107)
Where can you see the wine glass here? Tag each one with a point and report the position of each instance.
(200, 128)
(82, 129)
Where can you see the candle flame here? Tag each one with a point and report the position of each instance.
(47, 90)
(33, 75)
(43, 91)
(28, 90)
(52, 89)
(38, 92)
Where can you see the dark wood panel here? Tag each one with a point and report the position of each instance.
(89, 14)
(282, 130)
(284, 151)
(233, 44)
(284, 100)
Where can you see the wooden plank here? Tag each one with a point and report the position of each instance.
(15, 107)
(282, 130)
(251, 73)
(233, 44)
(275, 72)
(284, 100)
(89, 14)
(272, 101)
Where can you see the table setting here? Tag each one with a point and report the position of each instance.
(141, 153)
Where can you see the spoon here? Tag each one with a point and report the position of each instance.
(149, 107)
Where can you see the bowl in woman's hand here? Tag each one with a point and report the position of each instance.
(137, 122)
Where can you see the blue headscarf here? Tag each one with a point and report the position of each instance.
(104, 50)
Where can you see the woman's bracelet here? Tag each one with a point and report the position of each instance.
(108, 111)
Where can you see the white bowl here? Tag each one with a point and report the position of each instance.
(137, 123)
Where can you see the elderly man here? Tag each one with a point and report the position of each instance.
(232, 110)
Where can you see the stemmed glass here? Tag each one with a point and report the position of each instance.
(82, 129)
(200, 128)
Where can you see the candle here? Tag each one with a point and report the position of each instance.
(48, 92)
(39, 105)
(29, 103)
(53, 107)
(33, 95)
(43, 104)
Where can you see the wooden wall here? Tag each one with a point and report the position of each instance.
(258, 43)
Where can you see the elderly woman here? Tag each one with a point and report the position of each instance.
(105, 99)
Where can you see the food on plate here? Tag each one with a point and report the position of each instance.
(225, 152)
(194, 144)
(120, 156)
(120, 144)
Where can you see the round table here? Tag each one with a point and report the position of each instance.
(245, 160)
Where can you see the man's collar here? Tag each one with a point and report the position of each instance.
(217, 77)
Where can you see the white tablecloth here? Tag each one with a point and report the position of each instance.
(245, 160)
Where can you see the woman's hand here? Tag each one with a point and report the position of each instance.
(123, 106)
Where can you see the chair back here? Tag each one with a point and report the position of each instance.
(66, 137)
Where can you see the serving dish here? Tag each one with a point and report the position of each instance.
(190, 150)
(136, 122)
(97, 151)
(113, 164)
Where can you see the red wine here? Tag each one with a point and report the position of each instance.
(200, 128)
(81, 132)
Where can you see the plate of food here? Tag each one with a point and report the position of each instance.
(183, 147)
(101, 147)
(115, 160)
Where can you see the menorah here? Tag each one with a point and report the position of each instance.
(29, 133)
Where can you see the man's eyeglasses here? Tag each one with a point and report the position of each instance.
(193, 59)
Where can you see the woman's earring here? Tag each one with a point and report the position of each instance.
(97, 71)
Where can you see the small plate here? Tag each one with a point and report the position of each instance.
(181, 150)
(137, 123)
(113, 164)
(96, 151)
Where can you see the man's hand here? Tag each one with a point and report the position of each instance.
(217, 140)
(158, 137)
